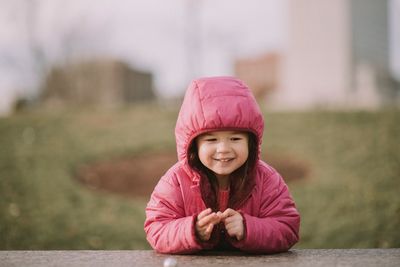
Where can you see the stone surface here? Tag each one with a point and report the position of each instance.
(297, 257)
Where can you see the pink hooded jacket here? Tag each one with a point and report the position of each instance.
(271, 221)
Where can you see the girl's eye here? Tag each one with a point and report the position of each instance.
(236, 138)
(210, 139)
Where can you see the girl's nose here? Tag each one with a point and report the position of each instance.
(222, 147)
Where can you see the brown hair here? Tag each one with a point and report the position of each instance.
(238, 178)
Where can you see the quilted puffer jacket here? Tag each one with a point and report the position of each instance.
(271, 221)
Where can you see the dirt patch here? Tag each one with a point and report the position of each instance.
(136, 176)
(291, 168)
(133, 176)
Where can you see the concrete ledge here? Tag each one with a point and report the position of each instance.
(296, 257)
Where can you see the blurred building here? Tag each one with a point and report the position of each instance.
(337, 56)
(370, 51)
(104, 83)
(261, 74)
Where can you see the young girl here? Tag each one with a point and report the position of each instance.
(220, 195)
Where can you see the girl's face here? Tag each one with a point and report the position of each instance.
(223, 152)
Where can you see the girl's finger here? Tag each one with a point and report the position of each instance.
(209, 229)
(227, 213)
(231, 231)
(211, 218)
(203, 213)
(229, 220)
(234, 231)
(233, 218)
(230, 226)
(205, 233)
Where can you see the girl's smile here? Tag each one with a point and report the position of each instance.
(224, 160)
(223, 152)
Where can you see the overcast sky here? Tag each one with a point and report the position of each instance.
(147, 34)
(176, 39)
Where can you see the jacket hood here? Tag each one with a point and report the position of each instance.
(216, 103)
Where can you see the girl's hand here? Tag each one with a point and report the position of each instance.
(205, 223)
(233, 221)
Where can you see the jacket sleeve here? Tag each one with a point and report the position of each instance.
(167, 228)
(276, 228)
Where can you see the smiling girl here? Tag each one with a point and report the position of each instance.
(220, 195)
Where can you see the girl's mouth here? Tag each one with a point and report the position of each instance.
(224, 159)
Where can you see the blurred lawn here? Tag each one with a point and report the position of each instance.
(350, 200)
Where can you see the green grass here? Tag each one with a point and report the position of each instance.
(350, 199)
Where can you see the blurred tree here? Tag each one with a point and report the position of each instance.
(67, 34)
(35, 47)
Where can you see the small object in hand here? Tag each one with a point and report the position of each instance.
(170, 262)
